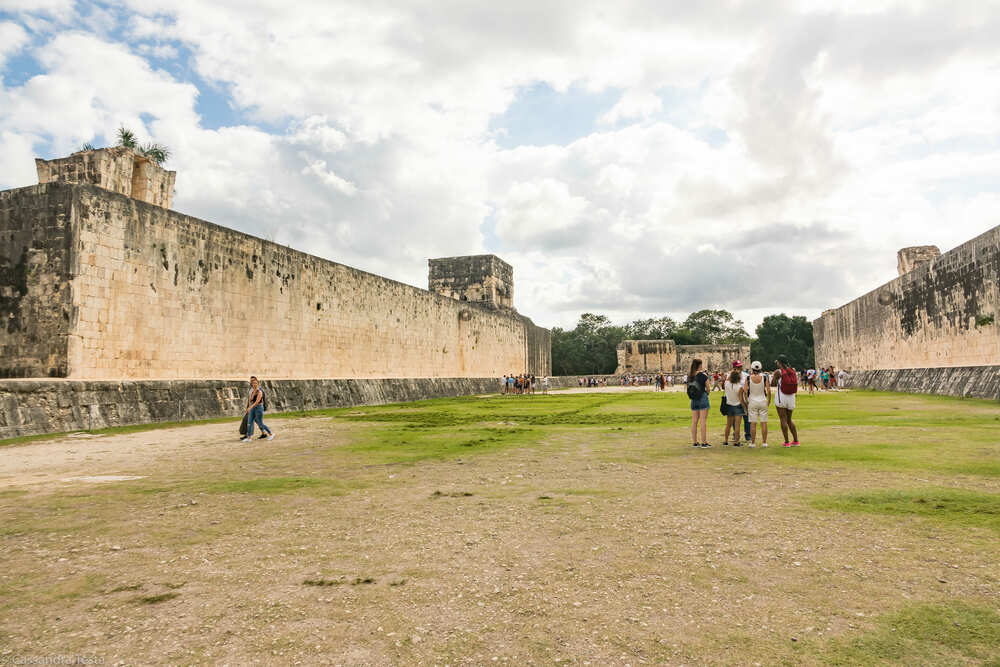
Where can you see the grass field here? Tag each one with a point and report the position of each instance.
(571, 528)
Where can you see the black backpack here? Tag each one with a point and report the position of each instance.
(693, 390)
(263, 401)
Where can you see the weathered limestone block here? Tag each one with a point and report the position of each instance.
(910, 258)
(119, 169)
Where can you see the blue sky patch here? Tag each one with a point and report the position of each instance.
(541, 116)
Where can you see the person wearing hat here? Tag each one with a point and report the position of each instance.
(734, 405)
(787, 382)
(757, 398)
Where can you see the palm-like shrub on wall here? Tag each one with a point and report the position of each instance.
(157, 153)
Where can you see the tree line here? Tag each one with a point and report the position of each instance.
(590, 347)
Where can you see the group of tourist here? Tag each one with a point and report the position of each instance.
(812, 378)
(523, 384)
(747, 399)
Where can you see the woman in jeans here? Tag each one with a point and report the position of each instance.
(255, 410)
(699, 405)
(734, 406)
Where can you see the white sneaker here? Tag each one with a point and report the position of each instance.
(245, 440)
(751, 445)
(763, 444)
(270, 437)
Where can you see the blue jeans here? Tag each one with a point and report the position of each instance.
(256, 416)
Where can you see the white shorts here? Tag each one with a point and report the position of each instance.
(782, 400)
(757, 413)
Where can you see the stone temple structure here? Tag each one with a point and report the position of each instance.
(148, 314)
(933, 329)
(652, 356)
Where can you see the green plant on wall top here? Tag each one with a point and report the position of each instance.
(984, 320)
(156, 153)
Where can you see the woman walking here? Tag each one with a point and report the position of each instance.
(757, 398)
(697, 390)
(734, 406)
(255, 411)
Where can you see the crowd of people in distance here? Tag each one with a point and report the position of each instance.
(746, 400)
(523, 384)
(591, 382)
(660, 380)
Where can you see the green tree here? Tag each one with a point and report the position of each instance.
(781, 334)
(589, 348)
(714, 327)
(654, 328)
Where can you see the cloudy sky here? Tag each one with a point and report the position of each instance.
(629, 158)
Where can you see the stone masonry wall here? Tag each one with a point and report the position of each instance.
(31, 407)
(960, 381)
(155, 294)
(35, 303)
(118, 169)
(943, 313)
(650, 356)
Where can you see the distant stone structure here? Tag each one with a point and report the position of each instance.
(119, 169)
(942, 312)
(652, 356)
(483, 279)
(99, 284)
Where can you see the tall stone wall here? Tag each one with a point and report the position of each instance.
(651, 356)
(945, 312)
(154, 294)
(35, 294)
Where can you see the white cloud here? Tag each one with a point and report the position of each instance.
(831, 135)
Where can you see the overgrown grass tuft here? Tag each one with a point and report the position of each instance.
(956, 633)
(957, 506)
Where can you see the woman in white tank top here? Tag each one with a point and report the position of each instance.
(757, 394)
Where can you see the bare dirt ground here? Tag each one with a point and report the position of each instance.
(624, 549)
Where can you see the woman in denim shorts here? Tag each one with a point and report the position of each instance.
(698, 381)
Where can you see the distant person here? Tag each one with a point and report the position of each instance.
(697, 390)
(545, 384)
(738, 365)
(256, 404)
(734, 406)
(811, 380)
(841, 377)
(757, 398)
(786, 381)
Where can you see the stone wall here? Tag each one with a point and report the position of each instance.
(945, 312)
(483, 279)
(962, 381)
(35, 296)
(651, 356)
(154, 294)
(30, 407)
(118, 169)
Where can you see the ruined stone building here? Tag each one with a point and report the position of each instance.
(100, 280)
(654, 356)
(932, 329)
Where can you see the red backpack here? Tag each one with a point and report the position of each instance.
(789, 381)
